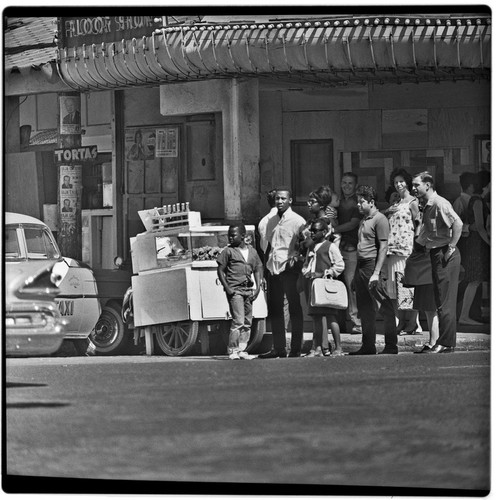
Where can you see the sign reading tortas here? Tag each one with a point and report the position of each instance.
(76, 31)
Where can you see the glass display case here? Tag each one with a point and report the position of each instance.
(198, 246)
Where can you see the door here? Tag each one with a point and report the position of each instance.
(202, 175)
(174, 163)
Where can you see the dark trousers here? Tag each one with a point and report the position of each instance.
(279, 286)
(369, 301)
(445, 275)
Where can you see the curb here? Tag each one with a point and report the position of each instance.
(406, 343)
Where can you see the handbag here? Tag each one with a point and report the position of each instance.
(418, 269)
(405, 295)
(327, 292)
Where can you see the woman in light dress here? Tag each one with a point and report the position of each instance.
(401, 216)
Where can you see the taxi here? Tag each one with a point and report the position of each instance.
(29, 240)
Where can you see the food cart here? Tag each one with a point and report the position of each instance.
(178, 300)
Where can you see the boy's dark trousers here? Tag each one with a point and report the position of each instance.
(279, 286)
(368, 302)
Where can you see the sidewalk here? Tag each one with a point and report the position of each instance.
(468, 339)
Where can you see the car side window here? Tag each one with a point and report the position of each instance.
(12, 250)
(39, 244)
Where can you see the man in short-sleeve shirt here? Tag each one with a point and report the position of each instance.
(440, 231)
(369, 280)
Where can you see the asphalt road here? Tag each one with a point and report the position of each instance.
(207, 424)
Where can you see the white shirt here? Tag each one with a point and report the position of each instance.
(263, 226)
(282, 233)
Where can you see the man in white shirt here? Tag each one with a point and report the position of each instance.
(440, 231)
(282, 232)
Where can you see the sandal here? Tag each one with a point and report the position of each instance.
(425, 348)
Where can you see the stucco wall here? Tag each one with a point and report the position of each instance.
(237, 100)
(375, 128)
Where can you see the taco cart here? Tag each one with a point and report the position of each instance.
(179, 304)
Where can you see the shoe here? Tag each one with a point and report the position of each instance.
(310, 354)
(294, 354)
(337, 354)
(273, 354)
(357, 330)
(411, 332)
(362, 352)
(245, 355)
(234, 355)
(440, 349)
(426, 347)
(326, 352)
(390, 350)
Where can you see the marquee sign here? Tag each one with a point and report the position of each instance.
(76, 31)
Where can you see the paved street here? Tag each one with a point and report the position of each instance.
(403, 421)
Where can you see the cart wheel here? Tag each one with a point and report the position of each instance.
(177, 339)
(256, 334)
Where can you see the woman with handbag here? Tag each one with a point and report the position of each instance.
(401, 216)
(323, 259)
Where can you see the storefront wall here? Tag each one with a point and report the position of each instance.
(373, 129)
(238, 103)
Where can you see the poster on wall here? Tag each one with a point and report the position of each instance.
(70, 187)
(139, 144)
(167, 143)
(70, 115)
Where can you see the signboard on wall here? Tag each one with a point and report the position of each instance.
(76, 31)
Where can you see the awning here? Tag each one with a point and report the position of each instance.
(327, 51)
(29, 55)
(29, 42)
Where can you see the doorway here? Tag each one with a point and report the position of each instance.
(171, 163)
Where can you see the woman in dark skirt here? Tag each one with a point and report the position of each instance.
(477, 266)
(424, 300)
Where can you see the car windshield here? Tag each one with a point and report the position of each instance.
(39, 244)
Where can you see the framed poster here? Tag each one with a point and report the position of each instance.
(482, 152)
(70, 115)
(139, 144)
(167, 143)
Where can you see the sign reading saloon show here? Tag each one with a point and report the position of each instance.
(76, 31)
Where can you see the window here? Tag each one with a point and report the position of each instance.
(12, 250)
(39, 244)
